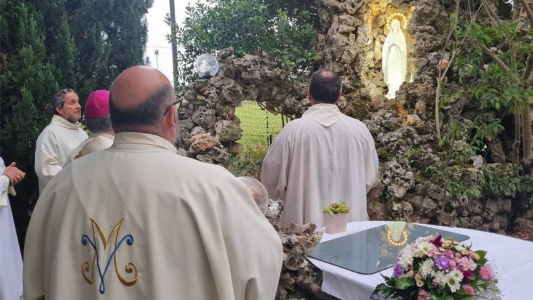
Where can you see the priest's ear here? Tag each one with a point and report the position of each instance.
(339, 97)
(310, 98)
(170, 118)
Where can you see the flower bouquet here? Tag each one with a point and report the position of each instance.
(435, 268)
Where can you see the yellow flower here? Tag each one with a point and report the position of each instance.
(419, 283)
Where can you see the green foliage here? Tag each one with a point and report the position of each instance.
(26, 82)
(255, 139)
(455, 174)
(401, 288)
(90, 49)
(291, 45)
(254, 122)
(505, 180)
(248, 162)
(487, 70)
(462, 181)
(247, 26)
(336, 208)
(65, 57)
(488, 65)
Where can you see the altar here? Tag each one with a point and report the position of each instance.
(511, 257)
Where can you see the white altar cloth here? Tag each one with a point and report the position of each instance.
(511, 258)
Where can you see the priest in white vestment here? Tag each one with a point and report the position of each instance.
(10, 256)
(321, 158)
(57, 140)
(139, 221)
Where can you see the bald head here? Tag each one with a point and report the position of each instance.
(258, 191)
(138, 98)
(135, 85)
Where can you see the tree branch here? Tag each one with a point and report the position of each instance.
(528, 70)
(529, 11)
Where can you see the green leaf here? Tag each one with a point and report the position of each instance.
(404, 283)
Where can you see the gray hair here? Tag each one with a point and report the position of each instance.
(99, 125)
(59, 99)
(149, 112)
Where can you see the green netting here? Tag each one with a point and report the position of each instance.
(259, 126)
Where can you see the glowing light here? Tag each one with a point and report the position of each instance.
(400, 16)
(401, 242)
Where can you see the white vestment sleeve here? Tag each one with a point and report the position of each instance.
(4, 181)
(47, 158)
(371, 163)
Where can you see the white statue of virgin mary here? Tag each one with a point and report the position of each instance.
(394, 59)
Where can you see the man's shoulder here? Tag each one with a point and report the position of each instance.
(193, 164)
(48, 130)
(294, 124)
(353, 120)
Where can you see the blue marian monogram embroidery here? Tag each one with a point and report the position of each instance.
(87, 269)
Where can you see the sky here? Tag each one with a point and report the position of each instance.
(157, 30)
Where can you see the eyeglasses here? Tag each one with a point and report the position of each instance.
(178, 102)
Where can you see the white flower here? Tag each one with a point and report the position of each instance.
(453, 280)
(460, 247)
(405, 258)
(440, 278)
(426, 268)
(425, 247)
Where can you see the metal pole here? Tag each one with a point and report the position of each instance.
(174, 44)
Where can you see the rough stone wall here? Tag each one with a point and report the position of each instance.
(349, 43)
(209, 127)
(404, 129)
(353, 35)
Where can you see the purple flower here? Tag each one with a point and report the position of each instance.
(442, 262)
(397, 271)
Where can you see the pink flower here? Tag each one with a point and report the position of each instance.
(453, 265)
(448, 253)
(423, 295)
(469, 290)
(485, 272)
(468, 264)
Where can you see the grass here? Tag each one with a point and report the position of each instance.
(259, 127)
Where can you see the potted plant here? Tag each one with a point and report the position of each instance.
(336, 217)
